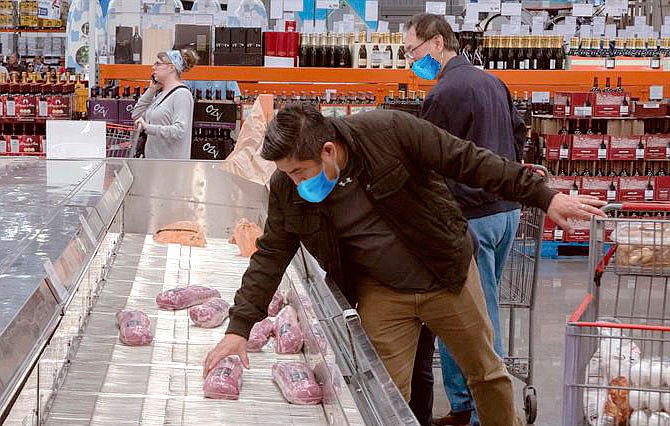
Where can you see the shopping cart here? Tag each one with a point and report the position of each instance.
(121, 140)
(617, 349)
(517, 292)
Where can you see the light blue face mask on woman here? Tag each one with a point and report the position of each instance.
(316, 189)
(427, 67)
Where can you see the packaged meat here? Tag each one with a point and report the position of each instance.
(297, 383)
(617, 353)
(225, 380)
(134, 327)
(276, 304)
(185, 233)
(659, 419)
(642, 244)
(638, 418)
(328, 377)
(638, 400)
(617, 406)
(245, 235)
(210, 314)
(185, 297)
(260, 334)
(288, 336)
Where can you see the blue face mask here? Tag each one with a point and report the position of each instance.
(316, 189)
(427, 67)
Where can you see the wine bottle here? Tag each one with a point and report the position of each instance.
(303, 56)
(401, 61)
(136, 46)
(387, 61)
(362, 52)
(376, 54)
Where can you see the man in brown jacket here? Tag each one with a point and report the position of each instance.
(371, 205)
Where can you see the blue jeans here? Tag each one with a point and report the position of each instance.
(495, 234)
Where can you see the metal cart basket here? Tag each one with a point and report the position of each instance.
(121, 140)
(617, 352)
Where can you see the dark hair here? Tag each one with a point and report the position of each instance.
(298, 131)
(428, 25)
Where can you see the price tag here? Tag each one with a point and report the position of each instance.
(371, 10)
(610, 63)
(639, 153)
(611, 195)
(581, 9)
(640, 21)
(540, 97)
(655, 93)
(436, 7)
(327, 4)
(648, 194)
(563, 153)
(610, 31)
(510, 9)
(382, 27)
(602, 153)
(489, 6)
(574, 192)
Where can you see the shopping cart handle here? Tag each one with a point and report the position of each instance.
(637, 206)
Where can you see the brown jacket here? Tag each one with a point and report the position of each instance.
(403, 162)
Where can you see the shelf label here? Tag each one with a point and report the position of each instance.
(602, 153)
(655, 93)
(540, 97)
(436, 7)
(639, 153)
(611, 195)
(558, 234)
(581, 9)
(511, 9)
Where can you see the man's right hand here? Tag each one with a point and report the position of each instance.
(231, 344)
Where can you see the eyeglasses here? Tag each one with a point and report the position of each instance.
(157, 63)
(410, 53)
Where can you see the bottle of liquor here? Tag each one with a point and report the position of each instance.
(574, 189)
(320, 59)
(619, 87)
(611, 190)
(401, 61)
(501, 57)
(376, 53)
(649, 191)
(596, 47)
(312, 49)
(510, 63)
(574, 46)
(303, 56)
(362, 52)
(619, 46)
(336, 53)
(136, 46)
(607, 88)
(328, 51)
(492, 55)
(653, 52)
(536, 53)
(387, 60)
(594, 88)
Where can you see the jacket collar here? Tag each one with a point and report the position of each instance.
(455, 62)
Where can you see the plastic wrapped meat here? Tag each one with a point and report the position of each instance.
(184, 233)
(276, 304)
(260, 334)
(297, 383)
(328, 377)
(225, 380)
(134, 327)
(245, 235)
(288, 336)
(210, 314)
(185, 297)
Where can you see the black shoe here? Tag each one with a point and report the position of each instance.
(454, 419)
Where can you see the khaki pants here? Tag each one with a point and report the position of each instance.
(392, 320)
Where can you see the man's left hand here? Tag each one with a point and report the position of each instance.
(564, 207)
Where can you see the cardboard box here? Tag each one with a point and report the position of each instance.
(215, 114)
(657, 147)
(627, 148)
(238, 40)
(565, 184)
(58, 107)
(589, 147)
(600, 186)
(126, 107)
(580, 231)
(229, 58)
(610, 105)
(254, 41)
(632, 188)
(25, 108)
(650, 109)
(561, 107)
(195, 37)
(103, 110)
(123, 53)
(558, 146)
(578, 101)
(548, 230)
(625, 127)
(222, 37)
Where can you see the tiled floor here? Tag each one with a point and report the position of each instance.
(561, 288)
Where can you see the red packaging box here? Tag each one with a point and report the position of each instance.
(270, 43)
(292, 44)
(565, 184)
(579, 232)
(554, 143)
(657, 147)
(578, 108)
(25, 108)
(650, 109)
(599, 186)
(548, 230)
(58, 108)
(23, 144)
(626, 148)
(632, 188)
(609, 105)
(588, 147)
(662, 188)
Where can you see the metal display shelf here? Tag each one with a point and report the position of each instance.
(66, 365)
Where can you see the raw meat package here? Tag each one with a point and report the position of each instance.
(275, 304)
(260, 334)
(134, 327)
(225, 380)
(245, 235)
(184, 233)
(642, 244)
(297, 383)
(185, 297)
(288, 336)
(210, 314)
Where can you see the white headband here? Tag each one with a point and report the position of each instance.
(176, 59)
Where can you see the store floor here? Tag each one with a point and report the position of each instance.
(561, 288)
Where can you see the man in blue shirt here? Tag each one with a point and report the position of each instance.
(474, 105)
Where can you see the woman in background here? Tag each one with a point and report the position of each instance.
(165, 111)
